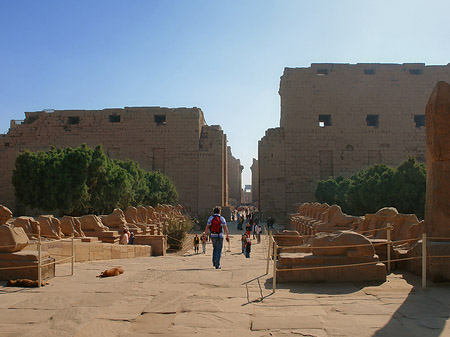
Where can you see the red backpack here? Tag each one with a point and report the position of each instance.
(216, 225)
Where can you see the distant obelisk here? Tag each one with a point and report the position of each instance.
(437, 208)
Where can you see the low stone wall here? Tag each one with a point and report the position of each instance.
(158, 243)
(92, 251)
(24, 264)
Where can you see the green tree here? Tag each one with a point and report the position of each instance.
(161, 189)
(81, 181)
(376, 187)
(326, 191)
(370, 189)
(409, 186)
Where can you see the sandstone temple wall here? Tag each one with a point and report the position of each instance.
(234, 179)
(176, 142)
(255, 182)
(339, 118)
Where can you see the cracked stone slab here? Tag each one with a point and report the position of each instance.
(165, 303)
(124, 310)
(151, 323)
(97, 299)
(213, 320)
(54, 302)
(25, 316)
(262, 322)
(102, 328)
(290, 311)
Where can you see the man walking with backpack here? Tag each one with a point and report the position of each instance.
(217, 225)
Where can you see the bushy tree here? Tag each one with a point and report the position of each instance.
(379, 186)
(326, 191)
(409, 187)
(81, 181)
(161, 189)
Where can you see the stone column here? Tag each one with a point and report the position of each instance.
(437, 209)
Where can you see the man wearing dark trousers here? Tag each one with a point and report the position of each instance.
(217, 226)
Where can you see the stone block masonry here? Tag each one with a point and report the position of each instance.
(339, 118)
(177, 142)
(234, 179)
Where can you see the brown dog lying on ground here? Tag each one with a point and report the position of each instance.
(112, 272)
(24, 282)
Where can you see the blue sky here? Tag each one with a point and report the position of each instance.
(225, 57)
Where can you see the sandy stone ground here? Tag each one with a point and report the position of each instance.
(183, 295)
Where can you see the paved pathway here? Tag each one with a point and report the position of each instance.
(185, 296)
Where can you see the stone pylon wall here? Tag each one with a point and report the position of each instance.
(272, 177)
(340, 118)
(212, 169)
(234, 179)
(255, 182)
(169, 140)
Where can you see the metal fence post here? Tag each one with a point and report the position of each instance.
(424, 260)
(388, 236)
(73, 254)
(39, 261)
(268, 251)
(275, 248)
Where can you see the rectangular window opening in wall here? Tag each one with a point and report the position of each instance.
(324, 120)
(372, 120)
(114, 118)
(419, 120)
(160, 119)
(73, 120)
(415, 71)
(369, 71)
(322, 72)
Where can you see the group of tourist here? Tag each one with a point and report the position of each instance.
(127, 237)
(197, 240)
(217, 226)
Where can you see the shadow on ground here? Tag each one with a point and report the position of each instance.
(424, 312)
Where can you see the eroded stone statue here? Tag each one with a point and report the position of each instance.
(344, 243)
(29, 224)
(50, 226)
(71, 226)
(5, 215)
(92, 223)
(115, 221)
(12, 239)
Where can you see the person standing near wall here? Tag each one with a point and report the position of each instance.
(258, 232)
(248, 248)
(125, 237)
(217, 226)
(203, 240)
(196, 243)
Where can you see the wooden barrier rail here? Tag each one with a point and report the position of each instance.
(272, 244)
(39, 259)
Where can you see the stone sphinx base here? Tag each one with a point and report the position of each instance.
(438, 269)
(157, 242)
(287, 261)
(105, 236)
(22, 259)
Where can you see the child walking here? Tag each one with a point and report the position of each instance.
(204, 239)
(248, 248)
(196, 243)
